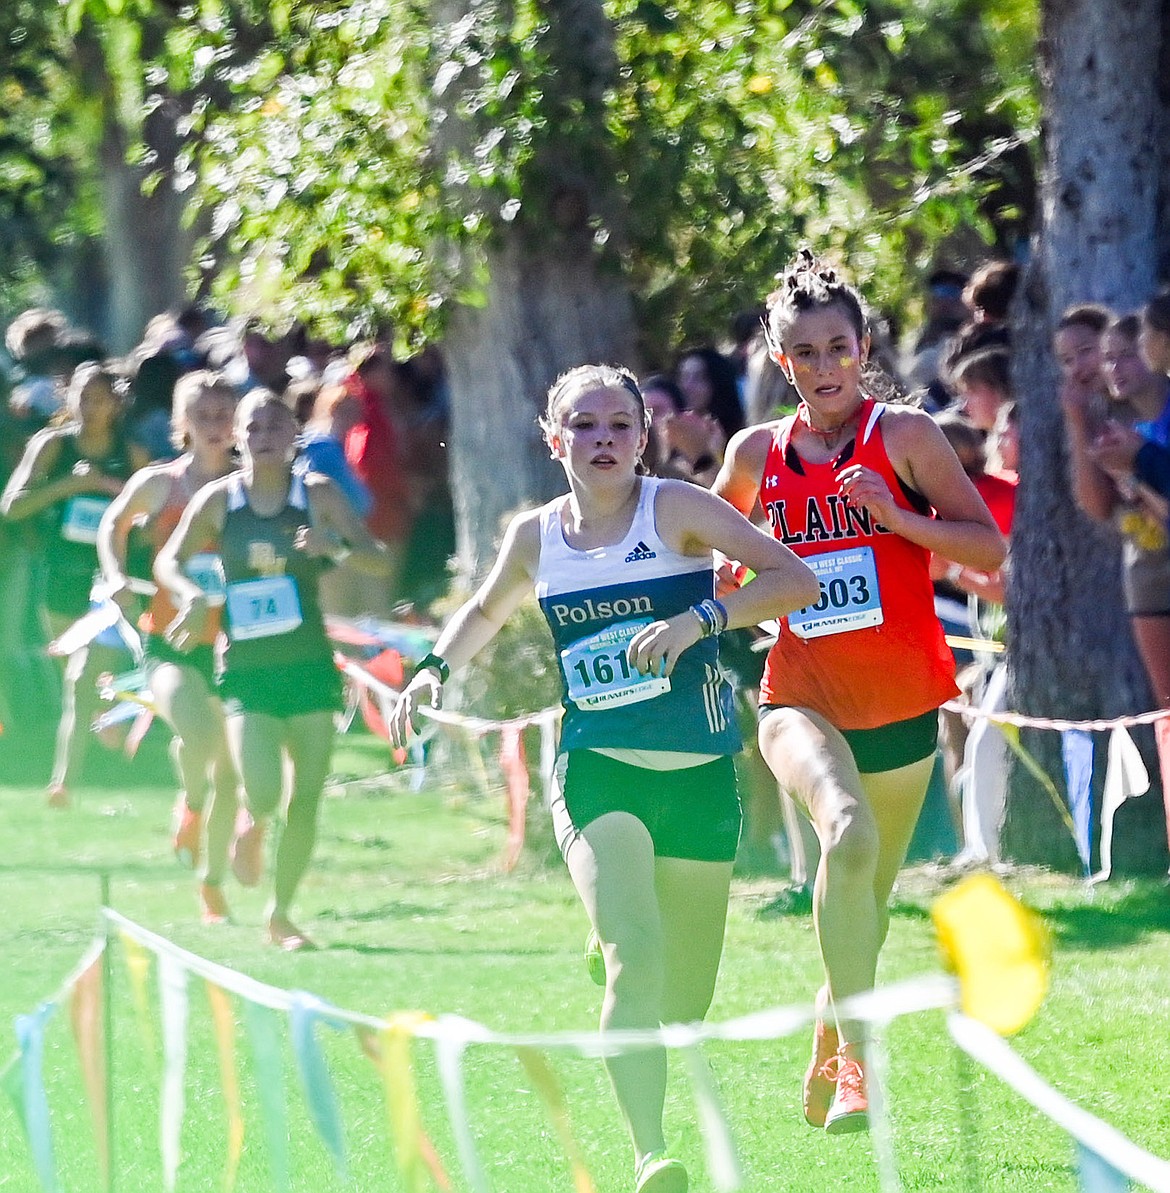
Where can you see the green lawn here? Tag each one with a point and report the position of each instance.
(412, 911)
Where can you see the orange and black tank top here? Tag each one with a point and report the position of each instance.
(871, 650)
(162, 610)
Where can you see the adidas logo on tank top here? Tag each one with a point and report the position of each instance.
(641, 552)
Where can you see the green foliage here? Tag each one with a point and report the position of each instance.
(319, 176)
(350, 154)
(45, 205)
(708, 144)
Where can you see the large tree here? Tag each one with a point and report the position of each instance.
(549, 181)
(1102, 234)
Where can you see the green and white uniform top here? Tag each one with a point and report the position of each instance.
(595, 601)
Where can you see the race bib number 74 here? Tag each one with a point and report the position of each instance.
(263, 608)
(849, 597)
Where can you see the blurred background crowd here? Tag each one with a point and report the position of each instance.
(377, 423)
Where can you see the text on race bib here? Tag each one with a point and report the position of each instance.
(599, 675)
(263, 608)
(79, 522)
(849, 598)
(206, 569)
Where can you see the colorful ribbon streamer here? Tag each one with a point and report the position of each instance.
(722, 1160)
(305, 1011)
(172, 983)
(1076, 748)
(412, 1148)
(33, 1105)
(1125, 777)
(89, 1034)
(225, 1042)
(545, 1083)
(263, 1029)
(514, 765)
(138, 969)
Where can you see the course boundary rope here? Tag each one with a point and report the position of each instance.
(991, 1051)
(1099, 1143)
(483, 724)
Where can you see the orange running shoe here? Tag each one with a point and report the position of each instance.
(821, 1077)
(212, 905)
(57, 796)
(188, 828)
(248, 849)
(850, 1109)
(286, 935)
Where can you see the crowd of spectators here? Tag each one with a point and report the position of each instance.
(377, 424)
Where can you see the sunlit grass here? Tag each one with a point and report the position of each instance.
(413, 912)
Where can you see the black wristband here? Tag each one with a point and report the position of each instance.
(432, 660)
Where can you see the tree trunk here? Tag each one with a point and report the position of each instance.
(147, 248)
(553, 299)
(144, 243)
(1072, 652)
(546, 311)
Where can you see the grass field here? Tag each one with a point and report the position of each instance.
(408, 901)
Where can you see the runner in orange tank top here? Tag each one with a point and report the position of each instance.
(863, 492)
(183, 685)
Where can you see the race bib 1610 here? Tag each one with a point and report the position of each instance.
(599, 675)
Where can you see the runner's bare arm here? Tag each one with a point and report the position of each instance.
(27, 493)
(201, 523)
(338, 532)
(142, 498)
(739, 477)
(478, 620)
(696, 522)
(964, 530)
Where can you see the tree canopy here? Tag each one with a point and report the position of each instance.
(887, 132)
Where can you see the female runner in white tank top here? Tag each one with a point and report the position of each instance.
(646, 814)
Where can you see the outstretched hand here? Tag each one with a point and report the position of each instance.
(425, 689)
(186, 630)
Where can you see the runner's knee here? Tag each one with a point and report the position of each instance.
(851, 843)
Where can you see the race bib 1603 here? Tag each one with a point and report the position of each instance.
(849, 595)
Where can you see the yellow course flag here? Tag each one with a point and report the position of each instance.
(999, 950)
(138, 967)
(402, 1097)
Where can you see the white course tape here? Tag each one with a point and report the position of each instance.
(991, 1051)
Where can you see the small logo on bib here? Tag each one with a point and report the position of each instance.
(641, 552)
